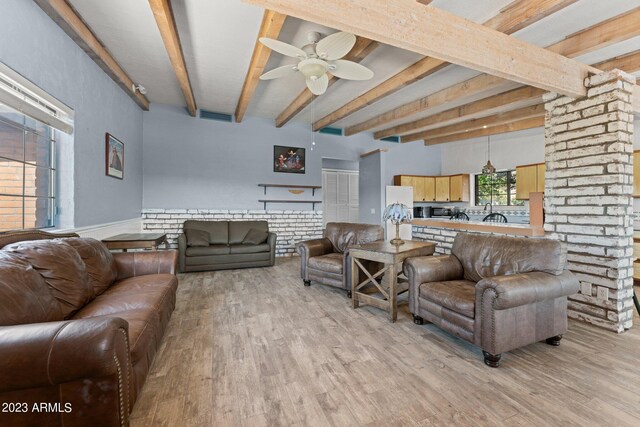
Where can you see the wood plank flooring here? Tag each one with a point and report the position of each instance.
(254, 347)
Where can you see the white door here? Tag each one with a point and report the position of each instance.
(340, 196)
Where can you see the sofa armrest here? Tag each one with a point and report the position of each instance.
(522, 289)
(425, 269)
(271, 241)
(132, 264)
(311, 248)
(315, 247)
(182, 252)
(44, 354)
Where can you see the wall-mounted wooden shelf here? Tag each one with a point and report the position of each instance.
(313, 202)
(312, 187)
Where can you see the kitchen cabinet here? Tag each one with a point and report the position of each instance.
(429, 188)
(636, 174)
(436, 188)
(540, 171)
(529, 179)
(442, 189)
(459, 188)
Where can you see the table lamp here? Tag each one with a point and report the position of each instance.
(397, 213)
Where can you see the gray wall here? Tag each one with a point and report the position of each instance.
(372, 188)
(197, 163)
(33, 45)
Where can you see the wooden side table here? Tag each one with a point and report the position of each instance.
(135, 241)
(388, 287)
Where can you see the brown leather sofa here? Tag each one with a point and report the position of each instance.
(227, 246)
(327, 260)
(499, 293)
(79, 327)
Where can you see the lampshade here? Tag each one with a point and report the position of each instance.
(397, 213)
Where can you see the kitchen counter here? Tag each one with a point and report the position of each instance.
(488, 227)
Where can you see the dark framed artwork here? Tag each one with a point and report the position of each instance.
(114, 156)
(288, 159)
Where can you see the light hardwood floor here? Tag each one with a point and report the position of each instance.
(254, 347)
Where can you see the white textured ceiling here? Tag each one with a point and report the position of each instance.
(218, 38)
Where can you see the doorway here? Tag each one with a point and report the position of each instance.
(340, 197)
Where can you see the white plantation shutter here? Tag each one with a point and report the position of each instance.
(340, 196)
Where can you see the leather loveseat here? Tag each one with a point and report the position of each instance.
(327, 260)
(499, 293)
(221, 245)
(79, 327)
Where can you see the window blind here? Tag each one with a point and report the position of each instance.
(20, 94)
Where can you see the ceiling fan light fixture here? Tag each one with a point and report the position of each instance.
(313, 68)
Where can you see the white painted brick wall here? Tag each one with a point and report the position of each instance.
(588, 194)
(290, 226)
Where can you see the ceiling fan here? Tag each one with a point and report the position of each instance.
(318, 58)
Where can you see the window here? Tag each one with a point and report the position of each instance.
(498, 189)
(27, 171)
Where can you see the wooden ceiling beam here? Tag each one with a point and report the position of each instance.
(271, 26)
(473, 86)
(515, 16)
(361, 49)
(72, 24)
(515, 98)
(629, 63)
(163, 14)
(616, 29)
(597, 36)
(481, 123)
(530, 123)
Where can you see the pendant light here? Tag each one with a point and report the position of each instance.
(488, 169)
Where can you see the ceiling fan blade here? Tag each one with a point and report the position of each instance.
(319, 85)
(349, 70)
(335, 46)
(283, 48)
(276, 73)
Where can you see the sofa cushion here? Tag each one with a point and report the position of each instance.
(148, 291)
(331, 262)
(24, 295)
(250, 249)
(227, 259)
(208, 250)
(255, 237)
(239, 229)
(485, 256)
(98, 261)
(62, 269)
(218, 230)
(456, 295)
(199, 238)
(344, 234)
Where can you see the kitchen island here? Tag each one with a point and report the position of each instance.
(443, 231)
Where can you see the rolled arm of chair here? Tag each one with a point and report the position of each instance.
(425, 269)
(44, 354)
(182, 251)
(271, 241)
(315, 247)
(527, 288)
(132, 264)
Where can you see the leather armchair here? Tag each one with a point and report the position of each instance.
(499, 293)
(327, 260)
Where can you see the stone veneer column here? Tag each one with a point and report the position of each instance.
(588, 195)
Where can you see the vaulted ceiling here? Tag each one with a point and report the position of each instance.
(218, 39)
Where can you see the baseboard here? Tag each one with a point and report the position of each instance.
(101, 231)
